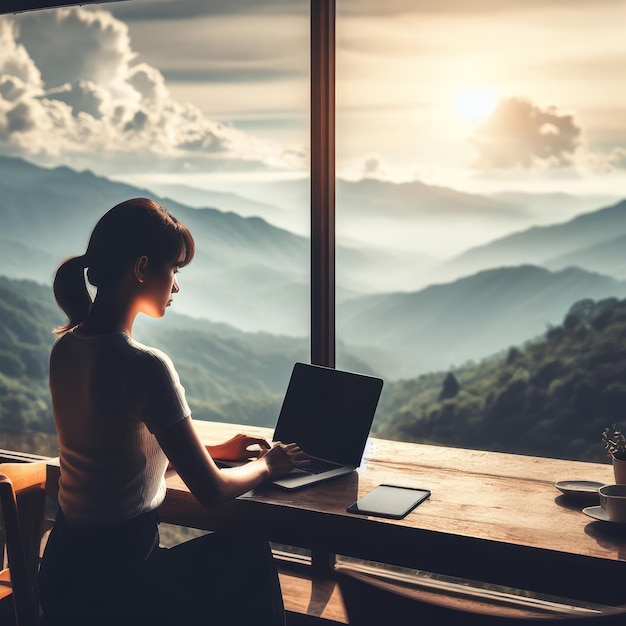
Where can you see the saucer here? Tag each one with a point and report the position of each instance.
(578, 487)
(597, 512)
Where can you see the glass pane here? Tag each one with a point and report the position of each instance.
(481, 219)
(203, 106)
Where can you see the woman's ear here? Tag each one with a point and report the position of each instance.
(141, 266)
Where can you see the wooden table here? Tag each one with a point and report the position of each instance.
(492, 517)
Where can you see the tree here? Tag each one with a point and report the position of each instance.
(450, 387)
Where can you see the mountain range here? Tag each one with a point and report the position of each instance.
(579, 241)
(252, 276)
(47, 215)
(446, 325)
(418, 234)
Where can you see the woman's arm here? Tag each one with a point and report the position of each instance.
(211, 485)
(236, 448)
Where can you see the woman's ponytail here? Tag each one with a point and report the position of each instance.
(70, 291)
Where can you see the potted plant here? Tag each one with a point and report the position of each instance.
(615, 444)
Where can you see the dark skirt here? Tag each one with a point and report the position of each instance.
(118, 576)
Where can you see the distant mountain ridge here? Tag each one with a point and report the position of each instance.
(47, 215)
(419, 210)
(607, 257)
(255, 276)
(227, 201)
(471, 318)
(543, 244)
(418, 199)
(247, 271)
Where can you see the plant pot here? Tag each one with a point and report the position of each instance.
(619, 469)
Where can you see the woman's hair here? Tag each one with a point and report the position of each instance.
(126, 232)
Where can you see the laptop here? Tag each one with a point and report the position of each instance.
(328, 413)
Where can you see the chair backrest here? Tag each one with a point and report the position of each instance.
(22, 500)
(378, 601)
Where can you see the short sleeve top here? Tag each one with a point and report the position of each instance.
(111, 395)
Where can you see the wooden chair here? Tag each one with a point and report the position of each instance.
(22, 500)
(379, 598)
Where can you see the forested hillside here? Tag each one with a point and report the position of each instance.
(28, 313)
(552, 397)
(228, 375)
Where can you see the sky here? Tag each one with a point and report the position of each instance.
(483, 95)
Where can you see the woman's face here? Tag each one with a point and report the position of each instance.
(158, 286)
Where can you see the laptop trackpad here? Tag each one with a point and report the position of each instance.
(295, 480)
(316, 466)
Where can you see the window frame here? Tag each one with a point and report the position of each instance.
(322, 115)
(20, 6)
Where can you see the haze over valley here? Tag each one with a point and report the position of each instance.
(253, 276)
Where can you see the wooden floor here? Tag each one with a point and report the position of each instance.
(301, 619)
(325, 603)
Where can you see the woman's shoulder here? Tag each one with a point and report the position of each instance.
(121, 344)
(141, 350)
(148, 357)
(73, 341)
(118, 348)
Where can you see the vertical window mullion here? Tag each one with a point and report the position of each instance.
(323, 182)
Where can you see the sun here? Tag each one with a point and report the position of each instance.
(474, 105)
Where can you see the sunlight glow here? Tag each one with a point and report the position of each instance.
(473, 105)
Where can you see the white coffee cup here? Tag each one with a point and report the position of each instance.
(613, 501)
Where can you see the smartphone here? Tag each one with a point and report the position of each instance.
(389, 501)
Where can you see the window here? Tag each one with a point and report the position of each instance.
(204, 108)
(479, 253)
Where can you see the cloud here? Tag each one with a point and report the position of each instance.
(184, 9)
(230, 74)
(15, 62)
(68, 45)
(82, 94)
(521, 135)
(370, 166)
(605, 163)
(617, 158)
(226, 49)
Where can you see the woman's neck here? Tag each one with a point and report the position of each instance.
(108, 314)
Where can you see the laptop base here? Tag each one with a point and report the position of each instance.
(297, 480)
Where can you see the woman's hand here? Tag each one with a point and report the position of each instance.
(281, 458)
(238, 448)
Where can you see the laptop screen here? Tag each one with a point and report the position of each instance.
(328, 412)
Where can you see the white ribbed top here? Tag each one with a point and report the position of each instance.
(110, 396)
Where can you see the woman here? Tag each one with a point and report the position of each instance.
(121, 415)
